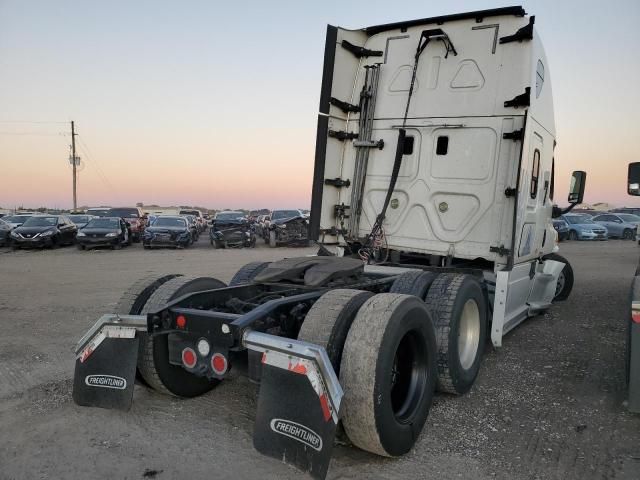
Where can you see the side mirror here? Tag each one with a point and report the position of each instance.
(576, 189)
(61, 225)
(633, 179)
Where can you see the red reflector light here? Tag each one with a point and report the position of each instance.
(635, 316)
(181, 321)
(189, 358)
(219, 364)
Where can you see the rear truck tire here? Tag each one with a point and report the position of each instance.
(628, 234)
(135, 297)
(328, 321)
(413, 283)
(153, 361)
(565, 279)
(273, 241)
(459, 312)
(247, 273)
(388, 373)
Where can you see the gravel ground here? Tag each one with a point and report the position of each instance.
(548, 405)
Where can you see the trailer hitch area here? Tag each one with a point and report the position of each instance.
(298, 403)
(104, 377)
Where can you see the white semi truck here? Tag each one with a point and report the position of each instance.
(432, 204)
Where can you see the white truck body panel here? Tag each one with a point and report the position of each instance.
(452, 203)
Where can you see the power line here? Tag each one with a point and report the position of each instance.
(40, 134)
(87, 153)
(33, 122)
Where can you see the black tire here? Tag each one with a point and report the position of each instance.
(413, 283)
(628, 234)
(153, 361)
(565, 280)
(273, 241)
(573, 235)
(388, 372)
(459, 312)
(247, 273)
(328, 322)
(133, 300)
(81, 247)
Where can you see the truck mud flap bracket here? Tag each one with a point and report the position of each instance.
(298, 404)
(106, 359)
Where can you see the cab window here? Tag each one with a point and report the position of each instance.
(535, 173)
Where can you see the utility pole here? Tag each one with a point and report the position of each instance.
(74, 163)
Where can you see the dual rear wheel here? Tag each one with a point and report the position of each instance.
(153, 293)
(393, 350)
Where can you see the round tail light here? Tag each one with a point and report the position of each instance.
(219, 364)
(189, 358)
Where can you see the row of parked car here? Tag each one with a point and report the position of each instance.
(110, 227)
(597, 226)
(280, 227)
(118, 227)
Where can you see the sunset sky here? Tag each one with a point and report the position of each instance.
(214, 103)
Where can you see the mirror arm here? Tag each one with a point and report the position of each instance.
(557, 211)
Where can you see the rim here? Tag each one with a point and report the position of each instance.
(560, 283)
(469, 334)
(408, 376)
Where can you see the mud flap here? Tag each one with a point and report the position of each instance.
(292, 427)
(298, 404)
(106, 378)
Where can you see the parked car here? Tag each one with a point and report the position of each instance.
(202, 225)
(562, 228)
(80, 220)
(98, 211)
(617, 226)
(193, 225)
(168, 231)
(231, 229)
(44, 231)
(582, 227)
(104, 232)
(288, 227)
(5, 230)
(263, 227)
(17, 220)
(631, 210)
(134, 216)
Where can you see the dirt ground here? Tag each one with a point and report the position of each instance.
(548, 405)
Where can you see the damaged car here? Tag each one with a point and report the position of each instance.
(168, 231)
(288, 227)
(232, 230)
(111, 232)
